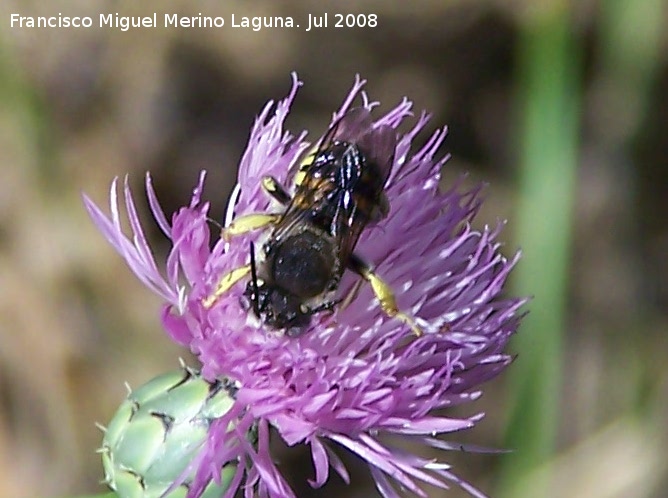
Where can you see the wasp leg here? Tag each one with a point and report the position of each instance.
(276, 190)
(383, 293)
(248, 223)
(225, 283)
(350, 296)
(326, 306)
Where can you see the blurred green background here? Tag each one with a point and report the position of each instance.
(559, 106)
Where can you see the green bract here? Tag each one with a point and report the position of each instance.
(158, 430)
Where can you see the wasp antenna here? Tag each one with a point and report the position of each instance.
(328, 137)
(214, 222)
(254, 294)
(331, 134)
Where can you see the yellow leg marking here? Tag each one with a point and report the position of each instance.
(276, 190)
(299, 177)
(306, 164)
(387, 301)
(248, 223)
(269, 184)
(225, 283)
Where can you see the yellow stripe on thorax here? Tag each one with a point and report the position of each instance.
(312, 192)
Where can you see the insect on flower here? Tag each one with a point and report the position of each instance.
(339, 191)
(354, 384)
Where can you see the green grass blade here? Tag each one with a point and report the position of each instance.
(549, 99)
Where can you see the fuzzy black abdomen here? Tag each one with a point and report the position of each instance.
(304, 265)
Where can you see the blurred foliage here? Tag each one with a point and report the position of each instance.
(78, 107)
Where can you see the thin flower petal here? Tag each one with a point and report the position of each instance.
(137, 256)
(157, 211)
(320, 462)
(379, 461)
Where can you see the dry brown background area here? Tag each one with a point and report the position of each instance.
(78, 107)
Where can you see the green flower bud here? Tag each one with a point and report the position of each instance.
(158, 430)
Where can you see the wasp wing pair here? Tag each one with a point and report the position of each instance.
(339, 191)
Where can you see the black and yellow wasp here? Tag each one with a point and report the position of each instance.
(339, 190)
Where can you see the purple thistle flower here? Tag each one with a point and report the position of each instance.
(354, 377)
